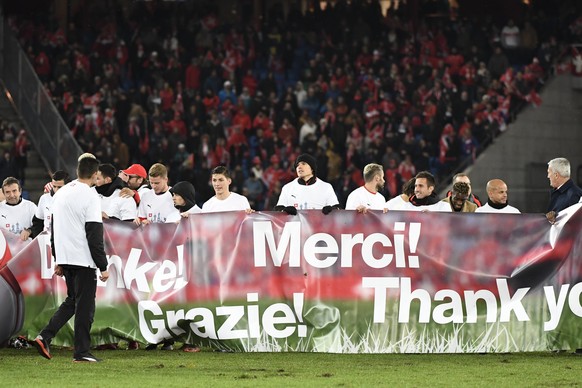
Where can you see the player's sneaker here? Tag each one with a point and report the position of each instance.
(43, 347)
(167, 345)
(88, 358)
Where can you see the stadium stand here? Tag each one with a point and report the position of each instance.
(170, 82)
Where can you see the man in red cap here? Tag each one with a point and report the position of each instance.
(137, 185)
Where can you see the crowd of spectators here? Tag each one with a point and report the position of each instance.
(171, 83)
(13, 151)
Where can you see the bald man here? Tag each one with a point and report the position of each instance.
(497, 201)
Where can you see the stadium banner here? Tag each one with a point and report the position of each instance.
(344, 282)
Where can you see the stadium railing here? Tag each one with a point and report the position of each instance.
(47, 130)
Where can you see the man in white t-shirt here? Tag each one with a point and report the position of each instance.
(307, 191)
(156, 205)
(497, 199)
(224, 200)
(510, 35)
(16, 213)
(367, 197)
(108, 185)
(42, 218)
(78, 248)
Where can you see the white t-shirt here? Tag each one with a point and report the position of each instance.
(156, 208)
(510, 36)
(73, 206)
(363, 197)
(118, 207)
(396, 203)
(176, 217)
(488, 209)
(43, 211)
(142, 190)
(234, 202)
(440, 206)
(314, 196)
(15, 218)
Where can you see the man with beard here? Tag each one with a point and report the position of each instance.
(367, 197)
(424, 198)
(497, 199)
(136, 179)
(462, 177)
(108, 186)
(459, 199)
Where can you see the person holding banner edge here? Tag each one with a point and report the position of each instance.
(565, 193)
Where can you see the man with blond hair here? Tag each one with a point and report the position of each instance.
(156, 205)
(367, 197)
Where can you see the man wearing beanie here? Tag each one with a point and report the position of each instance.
(307, 191)
(184, 197)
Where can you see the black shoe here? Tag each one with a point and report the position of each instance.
(167, 345)
(43, 347)
(151, 347)
(88, 358)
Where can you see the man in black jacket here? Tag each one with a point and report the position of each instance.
(564, 193)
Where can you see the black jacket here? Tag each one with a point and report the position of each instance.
(567, 195)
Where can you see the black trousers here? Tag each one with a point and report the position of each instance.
(80, 302)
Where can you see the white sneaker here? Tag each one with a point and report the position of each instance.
(87, 358)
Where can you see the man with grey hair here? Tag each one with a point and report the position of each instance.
(367, 197)
(564, 192)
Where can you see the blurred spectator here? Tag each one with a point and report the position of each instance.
(21, 146)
